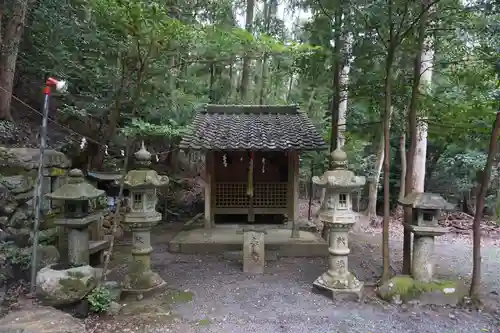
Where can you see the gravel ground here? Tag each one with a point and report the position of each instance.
(282, 300)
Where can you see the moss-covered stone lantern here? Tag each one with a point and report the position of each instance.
(142, 184)
(337, 216)
(75, 195)
(426, 208)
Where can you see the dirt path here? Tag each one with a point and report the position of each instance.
(213, 295)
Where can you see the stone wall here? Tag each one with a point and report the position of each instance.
(18, 172)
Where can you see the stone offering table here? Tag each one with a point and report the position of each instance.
(337, 216)
(425, 211)
(142, 217)
(75, 195)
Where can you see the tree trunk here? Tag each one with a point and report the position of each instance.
(233, 79)
(9, 43)
(371, 210)
(402, 151)
(497, 205)
(260, 63)
(211, 91)
(344, 88)
(337, 68)
(412, 131)
(245, 74)
(421, 147)
(476, 249)
(270, 10)
(289, 90)
(387, 123)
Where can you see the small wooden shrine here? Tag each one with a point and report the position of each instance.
(252, 158)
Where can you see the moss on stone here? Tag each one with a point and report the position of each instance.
(402, 285)
(56, 172)
(139, 279)
(48, 220)
(76, 274)
(73, 285)
(408, 288)
(143, 282)
(9, 170)
(137, 268)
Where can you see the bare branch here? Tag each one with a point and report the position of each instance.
(403, 18)
(425, 9)
(371, 26)
(323, 9)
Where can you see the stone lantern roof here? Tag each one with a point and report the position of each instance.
(339, 176)
(76, 189)
(144, 177)
(424, 200)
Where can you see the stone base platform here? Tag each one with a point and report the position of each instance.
(226, 238)
(355, 294)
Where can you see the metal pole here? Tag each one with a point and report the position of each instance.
(38, 188)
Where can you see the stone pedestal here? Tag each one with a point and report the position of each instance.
(423, 263)
(253, 251)
(337, 279)
(78, 237)
(78, 246)
(423, 251)
(140, 279)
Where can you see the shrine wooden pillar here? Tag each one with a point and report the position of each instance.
(209, 190)
(293, 192)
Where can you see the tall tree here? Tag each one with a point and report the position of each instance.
(392, 44)
(413, 131)
(12, 17)
(245, 72)
(485, 180)
(425, 72)
(337, 72)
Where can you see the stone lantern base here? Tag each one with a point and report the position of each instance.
(338, 285)
(141, 282)
(140, 279)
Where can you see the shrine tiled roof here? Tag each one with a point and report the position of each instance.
(259, 127)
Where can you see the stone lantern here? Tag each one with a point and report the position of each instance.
(337, 216)
(142, 216)
(424, 226)
(75, 195)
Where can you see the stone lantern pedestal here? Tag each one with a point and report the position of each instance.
(337, 216)
(425, 211)
(76, 194)
(143, 216)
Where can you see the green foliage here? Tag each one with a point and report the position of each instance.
(15, 256)
(99, 299)
(129, 57)
(457, 171)
(142, 68)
